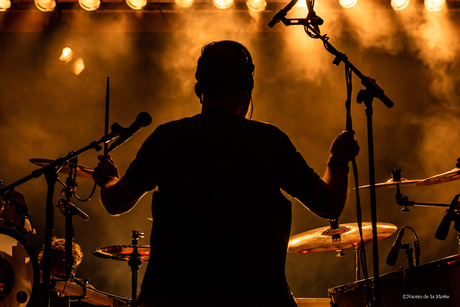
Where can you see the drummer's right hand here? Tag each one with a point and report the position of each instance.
(105, 172)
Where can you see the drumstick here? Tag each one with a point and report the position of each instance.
(107, 103)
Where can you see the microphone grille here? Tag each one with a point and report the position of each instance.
(144, 119)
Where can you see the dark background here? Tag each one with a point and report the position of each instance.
(46, 112)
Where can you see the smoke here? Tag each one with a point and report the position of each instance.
(47, 112)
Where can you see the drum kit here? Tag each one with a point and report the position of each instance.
(431, 284)
(20, 277)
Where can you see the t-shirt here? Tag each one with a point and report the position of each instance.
(220, 222)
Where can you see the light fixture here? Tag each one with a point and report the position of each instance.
(89, 5)
(348, 3)
(45, 5)
(184, 3)
(4, 5)
(435, 5)
(66, 55)
(399, 5)
(75, 64)
(223, 4)
(136, 4)
(256, 5)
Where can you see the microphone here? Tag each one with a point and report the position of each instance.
(393, 254)
(443, 229)
(142, 120)
(282, 13)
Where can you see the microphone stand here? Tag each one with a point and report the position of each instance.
(50, 171)
(372, 90)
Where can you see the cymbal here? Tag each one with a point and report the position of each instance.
(449, 176)
(391, 183)
(82, 171)
(320, 239)
(123, 252)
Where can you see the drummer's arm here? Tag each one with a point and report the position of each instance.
(119, 195)
(327, 197)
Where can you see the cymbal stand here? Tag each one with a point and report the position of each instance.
(69, 210)
(134, 262)
(372, 90)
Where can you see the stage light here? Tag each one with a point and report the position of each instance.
(435, 5)
(89, 5)
(66, 55)
(301, 3)
(256, 5)
(223, 4)
(183, 3)
(348, 3)
(136, 4)
(45, 5)
(399, 5)
(4, 5)
(77, 66)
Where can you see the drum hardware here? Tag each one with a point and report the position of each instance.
(397, 246)
(50, 171)
(81, 290)
(431, 284)
(320, 239)
(449, 176)
(134, 254)
(325, 239)
(19, 271)
(66, 168)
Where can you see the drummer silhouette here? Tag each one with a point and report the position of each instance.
(221, 225)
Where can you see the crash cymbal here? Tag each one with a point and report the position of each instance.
(123, 252)
(391, 183)
(441, 178)
(82, 171)
(320, 239)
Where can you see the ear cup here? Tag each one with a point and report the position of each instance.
(198, 90)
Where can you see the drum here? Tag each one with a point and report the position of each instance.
(432, 284)
(19, 271)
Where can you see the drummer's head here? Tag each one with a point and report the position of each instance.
(57, 257)
(224, 75)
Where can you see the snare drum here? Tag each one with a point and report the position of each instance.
(432, 284)
(19, 271)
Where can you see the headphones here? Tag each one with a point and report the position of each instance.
(242, 77)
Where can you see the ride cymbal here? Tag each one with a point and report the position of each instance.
(82, 171)
(391, 183)
(321, 239)
(449, 176)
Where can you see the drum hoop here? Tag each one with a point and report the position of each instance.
(33, 259)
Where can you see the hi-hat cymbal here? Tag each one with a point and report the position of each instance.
(441, 178)
(82, 171)
(391, 183)
(320, 239)
(123, 252)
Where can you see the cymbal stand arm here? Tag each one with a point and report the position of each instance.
(357, 267)
(68, 213)
(135, 263)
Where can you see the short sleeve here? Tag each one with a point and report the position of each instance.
(143, 170)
